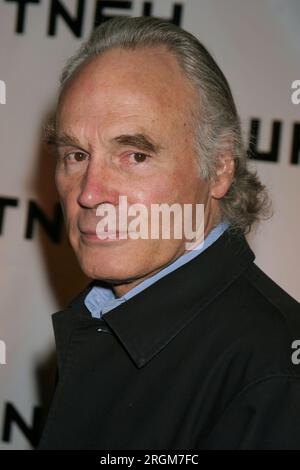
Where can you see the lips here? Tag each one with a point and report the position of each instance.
(88, 232)
(110, 235)
(103, 236)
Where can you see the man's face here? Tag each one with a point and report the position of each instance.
(125, 93)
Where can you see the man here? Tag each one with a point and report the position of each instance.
(168, 347)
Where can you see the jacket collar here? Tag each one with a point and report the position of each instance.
(147, 322)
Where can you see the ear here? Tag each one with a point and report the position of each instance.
(224, 176)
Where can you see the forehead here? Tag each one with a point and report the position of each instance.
(147, 83)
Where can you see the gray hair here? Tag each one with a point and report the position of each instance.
(215, 121)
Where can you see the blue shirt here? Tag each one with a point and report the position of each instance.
(101, 300)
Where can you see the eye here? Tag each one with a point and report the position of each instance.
(139, 157)
(75, 157)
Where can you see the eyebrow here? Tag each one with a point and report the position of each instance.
(139, 140)
(63, 139)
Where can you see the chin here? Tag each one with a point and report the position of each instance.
(110, 274)
(109, 265)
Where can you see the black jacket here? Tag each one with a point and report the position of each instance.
(202, 359)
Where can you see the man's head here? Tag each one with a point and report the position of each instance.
(144, 112)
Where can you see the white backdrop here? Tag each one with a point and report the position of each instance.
(257, 45)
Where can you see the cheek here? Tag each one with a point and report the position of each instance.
(190, 188)
(68, 196)
(166, 188)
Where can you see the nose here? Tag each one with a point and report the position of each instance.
(98, 186)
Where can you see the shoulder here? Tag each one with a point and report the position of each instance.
(267, 289)
(270, 303)
(265, 323)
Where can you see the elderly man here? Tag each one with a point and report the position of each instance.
(169, 346)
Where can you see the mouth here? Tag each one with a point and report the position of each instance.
(102, 237)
